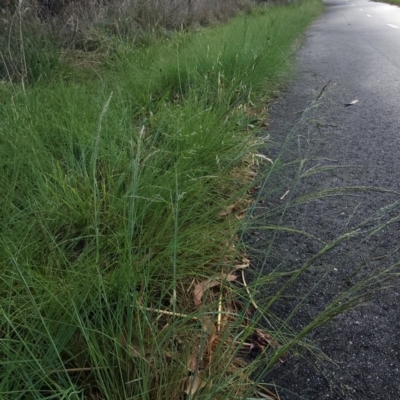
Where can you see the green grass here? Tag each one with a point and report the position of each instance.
(119, 173)
(394, 2)
(113, 183)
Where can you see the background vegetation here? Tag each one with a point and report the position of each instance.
(32, 32)
(395, 2)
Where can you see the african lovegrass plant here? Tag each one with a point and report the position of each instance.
(119, 257)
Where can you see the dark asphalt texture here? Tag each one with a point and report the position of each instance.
(353, 51)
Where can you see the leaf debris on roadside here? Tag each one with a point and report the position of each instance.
(355, 101)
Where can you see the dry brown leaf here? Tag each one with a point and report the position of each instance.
(209, 327)
(263, 338)
(241, 215)
(201, 287)
(355, 101)
(229, 277)
(251, 172)
(229, 210)
(241, 266)
(193, 362)
(195, 383)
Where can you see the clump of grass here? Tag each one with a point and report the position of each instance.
(122, 195)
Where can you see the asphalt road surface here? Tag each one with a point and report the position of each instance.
(352, 52)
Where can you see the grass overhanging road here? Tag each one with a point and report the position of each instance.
(116, 220)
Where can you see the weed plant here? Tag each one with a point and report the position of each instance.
(123, 187)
